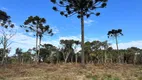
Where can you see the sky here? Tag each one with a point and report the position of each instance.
(125, 15)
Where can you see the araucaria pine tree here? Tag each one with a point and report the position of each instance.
(81, 8)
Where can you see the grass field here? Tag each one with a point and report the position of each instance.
(71, 71)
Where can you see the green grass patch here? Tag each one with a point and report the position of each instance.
(2, 78)
(109, 77)
(140, 78)
(93, 77)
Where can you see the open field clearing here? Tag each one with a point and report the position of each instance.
(40, 41)
(71, 72)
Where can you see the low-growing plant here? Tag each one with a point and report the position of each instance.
(109, 77)
(140, 78)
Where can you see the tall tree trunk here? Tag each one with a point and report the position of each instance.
(98, 62)
(19, 58)
(102, 59)
(105, 57)
(76, 56)
(66, 58)
(37, 45)
(4, 51)
(39, 49)
(117, 48)
(82, 38)
(111, 58)
(3, 57)
(30, 58)
(57, 57)
(6, 58)
(91, 60)
(122, 56)
(72, 58)
(87, 58)
(135, 58)
(116, 42)
(22, 59)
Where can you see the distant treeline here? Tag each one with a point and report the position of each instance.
(96, 52)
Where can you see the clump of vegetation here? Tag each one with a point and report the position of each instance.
(2, 78)
(93, 77)
(140, 78)
(109, 77)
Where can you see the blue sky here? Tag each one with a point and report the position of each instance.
(118, 14)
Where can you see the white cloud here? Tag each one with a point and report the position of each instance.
(78, 37)
(26, 42)
(55, 30)
(129, 44)
(3, 8)
(16, 26)
(22, 41)
(88, 22)
(91, 39)
(53, 42)
(70, 37)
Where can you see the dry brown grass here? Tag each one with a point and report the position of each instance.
(71, 72)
